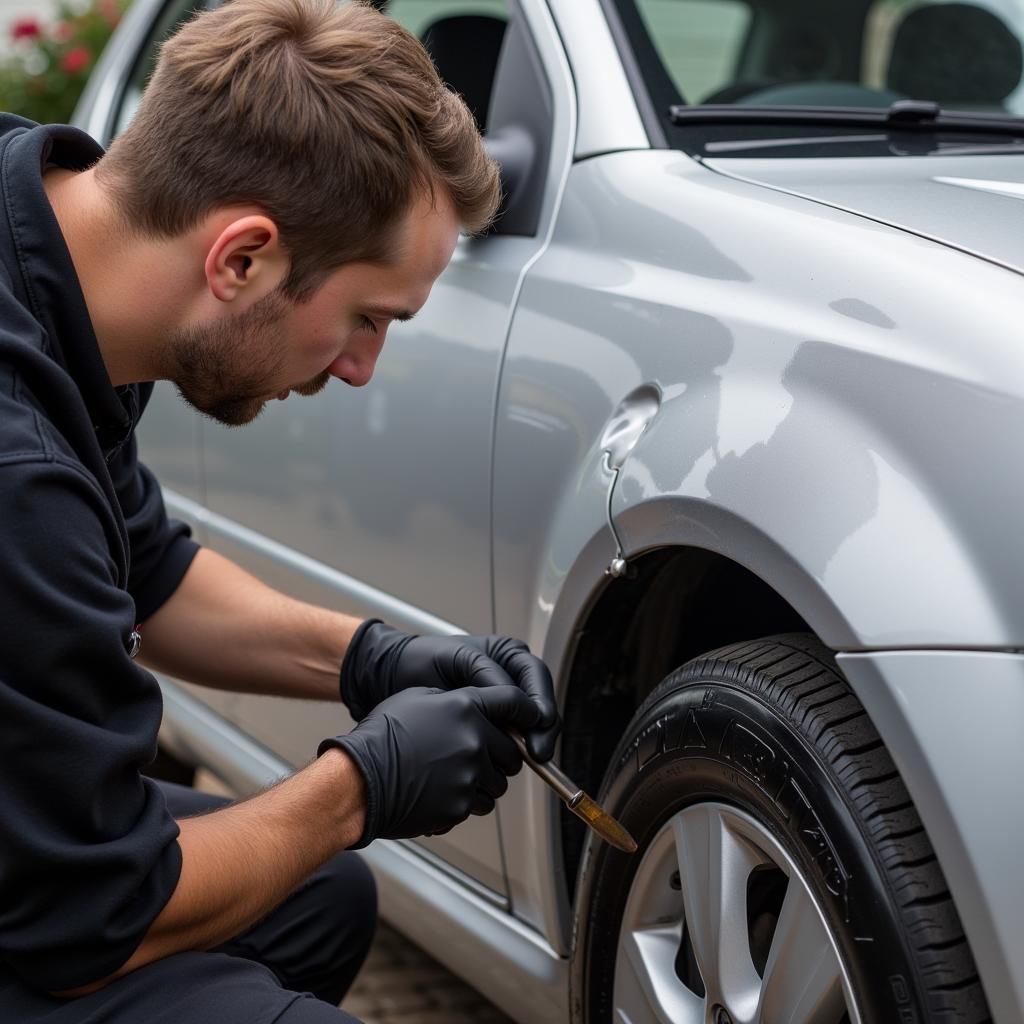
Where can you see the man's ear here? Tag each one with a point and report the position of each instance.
(246, 259)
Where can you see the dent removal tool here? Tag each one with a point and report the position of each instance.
(577, 801)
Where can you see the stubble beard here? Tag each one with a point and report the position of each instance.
(228, 369)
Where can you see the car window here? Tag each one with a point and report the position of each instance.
(698, 41)
(464, 40)
(171, 18)
(830, 53)
(463, 36)
(993, 24)
(418, 15)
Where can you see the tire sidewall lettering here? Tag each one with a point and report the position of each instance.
(721, 743)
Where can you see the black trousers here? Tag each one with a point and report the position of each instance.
(293, 967)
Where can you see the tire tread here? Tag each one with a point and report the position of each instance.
(798, 675)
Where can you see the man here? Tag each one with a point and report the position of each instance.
(294, 180)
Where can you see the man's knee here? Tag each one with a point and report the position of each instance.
(201, 988)
(317, 940)
(348, 886)
(212, 988)
(345, 895)
(219, 989)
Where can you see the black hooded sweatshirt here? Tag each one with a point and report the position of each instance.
(88, 851)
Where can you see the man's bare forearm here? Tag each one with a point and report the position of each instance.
(240, 862)
(222, 627)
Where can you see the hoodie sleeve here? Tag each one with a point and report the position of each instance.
(88, 850)
(162, 549)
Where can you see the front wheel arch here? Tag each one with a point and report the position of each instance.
(675, 603)
(807, 741)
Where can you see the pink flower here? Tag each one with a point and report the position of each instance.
(76, 60)
(26, 28)
(110, 10)
(62, 31)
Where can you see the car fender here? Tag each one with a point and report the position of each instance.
(823, 502)
(841, 407)
(929, 763)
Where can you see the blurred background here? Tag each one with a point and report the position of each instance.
(47, 50)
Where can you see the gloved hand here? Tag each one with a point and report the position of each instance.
(381, 661)
(431, 757)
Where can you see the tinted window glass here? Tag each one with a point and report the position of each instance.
(831, 53)
(460, 33)
(464, 38)
(418, 15)
(904, 32)
(698, 41)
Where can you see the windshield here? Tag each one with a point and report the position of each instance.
(829, 53)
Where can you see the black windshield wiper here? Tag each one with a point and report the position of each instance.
(913, 115)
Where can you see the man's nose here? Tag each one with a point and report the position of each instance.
(356, 364)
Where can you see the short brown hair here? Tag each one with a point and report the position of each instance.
(330, 117)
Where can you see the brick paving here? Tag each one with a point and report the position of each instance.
(400, 984)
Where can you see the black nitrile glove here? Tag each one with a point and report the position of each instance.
(381, 661)
(431, 757)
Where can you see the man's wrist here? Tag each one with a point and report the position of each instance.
(349, 669)
(349, 786)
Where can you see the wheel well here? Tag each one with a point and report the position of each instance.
(674, 604)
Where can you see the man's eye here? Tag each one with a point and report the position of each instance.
(368, 325)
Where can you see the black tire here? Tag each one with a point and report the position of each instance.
(772, 728)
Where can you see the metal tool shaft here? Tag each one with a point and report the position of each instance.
(550, 773)
(576, 800)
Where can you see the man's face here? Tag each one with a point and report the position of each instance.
(229, 368)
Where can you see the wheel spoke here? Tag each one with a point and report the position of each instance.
(647, 989)
(714, 864)
(802, 977)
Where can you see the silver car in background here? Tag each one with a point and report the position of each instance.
(725, 419)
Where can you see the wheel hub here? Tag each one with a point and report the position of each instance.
(721, 927)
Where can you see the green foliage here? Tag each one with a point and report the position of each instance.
(48, 64)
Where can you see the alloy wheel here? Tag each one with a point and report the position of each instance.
(721, 927)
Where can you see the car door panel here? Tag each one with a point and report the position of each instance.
(292, 729)
(390, 484)
(385, 491)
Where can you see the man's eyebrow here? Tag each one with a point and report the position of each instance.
(386, 313)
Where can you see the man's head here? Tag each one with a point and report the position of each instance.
(311, 158)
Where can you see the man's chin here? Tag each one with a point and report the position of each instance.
(230, 412)
(314, 386)
(238, 411)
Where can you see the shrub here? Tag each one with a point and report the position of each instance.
(48, 64)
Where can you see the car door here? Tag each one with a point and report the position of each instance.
(377, 500)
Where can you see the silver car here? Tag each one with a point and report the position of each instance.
(725, 419)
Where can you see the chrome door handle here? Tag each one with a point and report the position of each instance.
(631, 418)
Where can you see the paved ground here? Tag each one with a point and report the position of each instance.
(400, 984)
